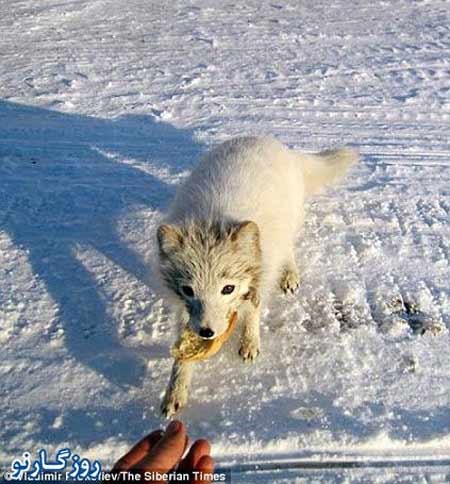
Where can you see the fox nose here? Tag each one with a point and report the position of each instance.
(207, 333)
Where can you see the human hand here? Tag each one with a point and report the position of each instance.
(161, 452)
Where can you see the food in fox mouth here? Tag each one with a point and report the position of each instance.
(191, 347)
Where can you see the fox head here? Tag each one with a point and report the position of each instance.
(212, 268)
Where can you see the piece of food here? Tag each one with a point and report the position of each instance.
(190, 346)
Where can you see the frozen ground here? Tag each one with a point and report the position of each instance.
(104, 109)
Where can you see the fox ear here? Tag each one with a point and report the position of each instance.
(246, 234)
(170, 238)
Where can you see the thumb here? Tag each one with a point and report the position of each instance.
(166, 454)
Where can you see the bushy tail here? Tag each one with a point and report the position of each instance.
(327, 167)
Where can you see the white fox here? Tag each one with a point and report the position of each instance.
(229, 238)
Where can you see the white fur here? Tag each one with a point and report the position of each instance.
(246, 179)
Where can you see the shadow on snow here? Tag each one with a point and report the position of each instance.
(62, 185)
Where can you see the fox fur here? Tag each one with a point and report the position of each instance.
(233, 224)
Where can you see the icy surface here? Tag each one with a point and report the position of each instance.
(104, 109)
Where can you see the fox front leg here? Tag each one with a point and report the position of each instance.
(250, 341)
(177, 391)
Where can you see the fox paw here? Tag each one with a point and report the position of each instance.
(249, 349)
(173, 402)
(290, 281)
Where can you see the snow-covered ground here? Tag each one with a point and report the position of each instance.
(105, 106)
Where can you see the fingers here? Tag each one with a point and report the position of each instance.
(162, 451)
(197, 451)
(199, 460)
(204, 468)
(138, 452)
(167, 452)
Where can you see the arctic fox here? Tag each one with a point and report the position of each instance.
(229, 237)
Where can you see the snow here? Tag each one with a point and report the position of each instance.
(104, 110)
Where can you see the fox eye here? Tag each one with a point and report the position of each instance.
(228, 289)
(187, 291)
